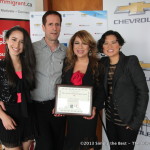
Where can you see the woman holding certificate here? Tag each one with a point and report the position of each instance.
(81, 68)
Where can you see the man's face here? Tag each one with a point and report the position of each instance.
(52, 27)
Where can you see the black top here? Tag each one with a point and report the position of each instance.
(88, 80)
(9, 95)
(111, 110)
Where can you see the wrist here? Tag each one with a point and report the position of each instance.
(94, 108)
(2, 114)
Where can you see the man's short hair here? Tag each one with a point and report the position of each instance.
(51, 12)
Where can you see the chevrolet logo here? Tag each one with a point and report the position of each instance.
(83, 15)
(146, 122)
(144, 65)
(134, 8)
(37, 25)
(68, 24)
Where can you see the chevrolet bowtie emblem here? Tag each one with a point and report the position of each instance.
(145, 66)
(134, 8)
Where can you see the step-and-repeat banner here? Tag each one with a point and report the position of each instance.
(94, 22)
(12, 13)
(131, 18)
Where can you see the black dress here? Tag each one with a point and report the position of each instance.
(81, 133)
(22, 113)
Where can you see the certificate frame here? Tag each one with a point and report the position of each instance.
(73, 100)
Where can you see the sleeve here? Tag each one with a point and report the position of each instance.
(99, 92)
(0, 87)
(139, 81)
(63, 72)
(1, 82)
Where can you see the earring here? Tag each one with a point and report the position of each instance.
(90, 52)
(7, 50)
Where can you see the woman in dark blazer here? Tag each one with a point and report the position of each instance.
(82, 68)
(126, 90)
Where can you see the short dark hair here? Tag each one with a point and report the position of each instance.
(51, 12)
(101, 41)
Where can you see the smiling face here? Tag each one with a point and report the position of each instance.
(52, 27)
(15, 43)
(111, 46)
(80, 48)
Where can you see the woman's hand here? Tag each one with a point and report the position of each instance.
(7, 121)
(93, 114)
(56, 115)
(127, 127)
(2, 105)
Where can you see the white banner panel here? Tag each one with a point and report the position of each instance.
(94, 22)
(12, 13)
(16, 9)
(131, 18)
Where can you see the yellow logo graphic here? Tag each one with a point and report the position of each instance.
(145, 65)
(68, 24)
(146, 122)
(37, 25)
(134, 8)
(99, 23)
(83, 15)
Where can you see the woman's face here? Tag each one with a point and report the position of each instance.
(15, 43)
(111, 46)
(80, 49)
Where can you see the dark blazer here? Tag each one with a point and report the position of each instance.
(130, 90)
(88, 80)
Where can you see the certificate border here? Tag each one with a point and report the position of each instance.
(72, 114)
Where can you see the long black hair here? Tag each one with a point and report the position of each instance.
(27, 59)
(71, 58)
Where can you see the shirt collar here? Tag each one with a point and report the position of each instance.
(44, 44)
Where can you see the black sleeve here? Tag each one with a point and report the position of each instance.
(1, 83)
(3, 88)
(63, 72)
(139, 81)
(99, 92)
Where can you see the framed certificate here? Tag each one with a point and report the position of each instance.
(73, 100)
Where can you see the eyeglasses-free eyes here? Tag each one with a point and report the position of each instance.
(112, 43)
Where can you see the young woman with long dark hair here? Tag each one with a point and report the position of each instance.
(17, 78)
